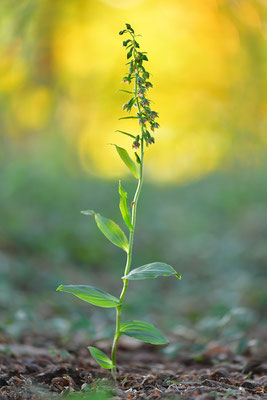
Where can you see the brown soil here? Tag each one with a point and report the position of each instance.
(35, 373)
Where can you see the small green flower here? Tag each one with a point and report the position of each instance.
(135, 145)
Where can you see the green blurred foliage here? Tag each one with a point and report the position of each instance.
(61, 65)
(212, 231)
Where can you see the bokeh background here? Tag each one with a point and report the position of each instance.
(204, 203)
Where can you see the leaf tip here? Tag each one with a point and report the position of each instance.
(179, 276)
(88, 212)
(59, 289)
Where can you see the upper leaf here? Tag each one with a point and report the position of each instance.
(138, 160)
(123, 207)
(100, 357)
(126, 91)
(151, 271)
(143, 331)
(91, 295)
(128, 161)
(126, 133)
(111, 230)
(130, 52)
(130, 117)
(125, 42)
(128, 26)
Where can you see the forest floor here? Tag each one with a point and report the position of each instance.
(30, 371)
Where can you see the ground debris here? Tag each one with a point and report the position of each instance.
(148, 375)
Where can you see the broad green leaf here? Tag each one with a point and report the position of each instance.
(151, 271)
(91, 295)
(100, 357)
(143, 331)
(123, 207)
(128, 161)
(126, 133)
(110, 229)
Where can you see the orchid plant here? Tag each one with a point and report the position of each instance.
(144, 331)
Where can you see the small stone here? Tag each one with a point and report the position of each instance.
(254, 366)
(3, 381)
(248, 384)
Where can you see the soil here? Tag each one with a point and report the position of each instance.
(32, 372)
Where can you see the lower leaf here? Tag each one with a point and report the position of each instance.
(143, 331)
(101, 358)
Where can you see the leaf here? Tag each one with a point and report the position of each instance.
(110, 229)
(143, 331)
(125, 42)
(88, 212)
(128, 161)
(123, 207)
(137, 158)
(130, 52)
(122, 32)
(130, 117)
(126, 133)
(91, 295)
(128, 26)
(126, 91)
(100, 357)
(151, 271)
(131, 67)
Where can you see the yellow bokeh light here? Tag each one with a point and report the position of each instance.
(32, 107)
(205, 58)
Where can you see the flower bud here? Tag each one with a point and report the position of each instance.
(154, 125)
(151, 140)
(136, 145)
(148, 84)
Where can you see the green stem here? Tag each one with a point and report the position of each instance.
(131, 238)
(128, 264)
